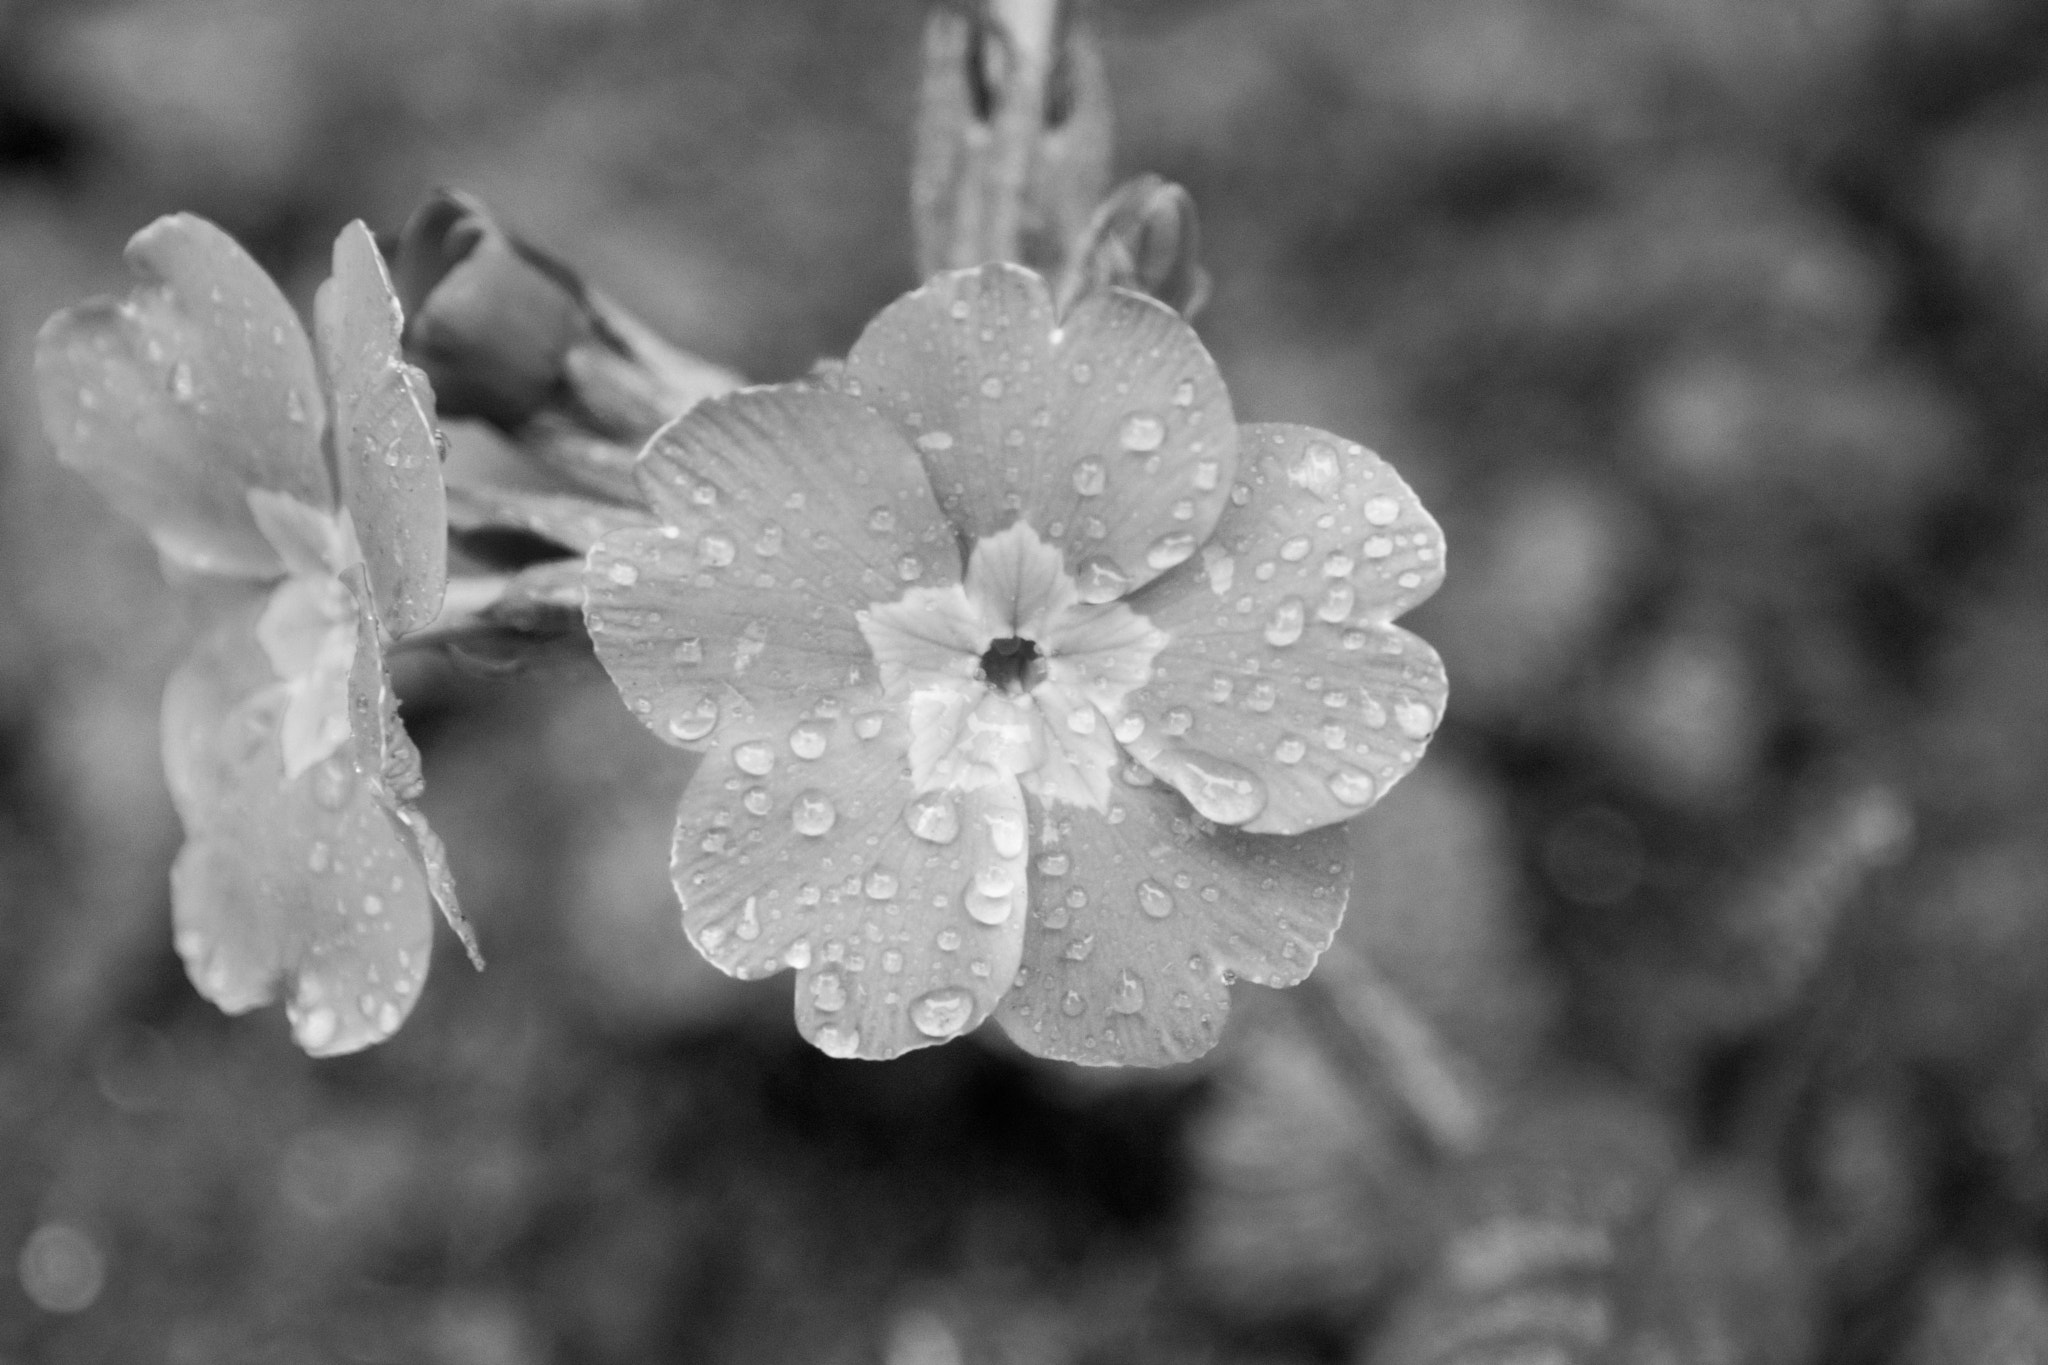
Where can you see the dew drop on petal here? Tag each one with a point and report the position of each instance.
(1082, 372)
(933, 818)
(1338, 600)
(882, 521)
(880, 885)
(1142, 432)
(1005, 833)
(1128, 729)
(936, 440)
(813, 814)
(1184, 393)
(756, 801)
(1289, 750)
(828, 993)
(688, 650)
(1286, 624)
(1352, 787)
(1179, 721)
(959, 310)
(1129, 995)
(1378, 547)
(715, 551)
(835, 1041)
(942, 1013)
(1217, 788)
(754, 758)
(1295, 549)
(694, 721)
(1415, 718)
(992, 387)
(1318, 470)
(1082, 720)
(868, 726)
(315, 1028)
(319, 858)
(808, 740)
(1155, 900)
(1261, 697)
(1101, 579)
(1170, 549)
(183, 389)
(1382, 511)
(1071, 1004)
(333, 783)
(1337, 564)
(798, 954)
(1090, 476)
(1220, 567)
(1208, 474)
(910, 568)
(623, 574)
(1054, 864)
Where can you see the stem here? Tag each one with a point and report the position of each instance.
(1450, 1110)
(1029, 28)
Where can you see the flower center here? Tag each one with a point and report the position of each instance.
(1013, 665)
(1010, 675)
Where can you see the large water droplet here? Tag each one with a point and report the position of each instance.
(798, 954)
(1128, 729)
(1129, 995)
(1289, 751)
(880, 885)
(992, 894)
(716, 551)
(1071, 1004)
(933, 818)
(1285, 625)
(1090, 476)
(942, 1013)
(316, 1028)
(1100, 579)
(828, 993)
(1154, 899)
(1318, 470)
(1005, 832)
(754, 758)
(757, 801)
(1338, 600)
(1216, 787)
(813, 814)
(808, 740)
(835, 1041)
(1170, 549)
(1142, 432)
(1382, 511)
(694, 721)
(1415, 718)
(1352, 787)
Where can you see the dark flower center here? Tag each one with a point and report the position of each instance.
(1012, 664)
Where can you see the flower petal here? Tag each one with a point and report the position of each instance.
(1141, 917)
(786, 511)
(1285, 700)
(1109, 432)
(222, 671)
(807, 847)
(384, 446)
(180, 398)
(306, 884)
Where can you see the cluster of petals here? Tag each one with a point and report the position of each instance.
(299, 487)
(1028, 684)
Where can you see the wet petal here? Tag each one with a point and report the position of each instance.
(1285, 700)
(384, 444)
(1140, 917)
(178, 399)
(223, 670)
(1110, 433)
(305, 887)
(785, 512)
(804, 845)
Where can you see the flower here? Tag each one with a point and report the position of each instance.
(305, 498)
(1028, 684)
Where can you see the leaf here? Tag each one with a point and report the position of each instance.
(179, 399)
(384, 443)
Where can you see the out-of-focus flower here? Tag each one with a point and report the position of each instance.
(1144, 237)
(1028, 683)
(304, 497)
(512, 336)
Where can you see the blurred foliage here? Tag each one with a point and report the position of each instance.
(1715, 332)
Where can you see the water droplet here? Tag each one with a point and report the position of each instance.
(1378, 547)
(808, 740)
(948, 940)
(992, 894)
(1179, 721)
(294, 408)
(813, 814)
(320, 857)
(1090, 476)
(183, 389)
(754, 758)
(992, 387)
(1129, 995)
(695, 721)
(933, 818)
(1220, 688)
(1294, 549)
(749, 926)
(880, 885)
(1415, 718)
(959, 310)
(1352, 787)
(1289, 750)
(716, 551)
(798, 954)
(1338, 600)
(1128, 729)
(1184, 393)
(756, 801)
(1054, 864)
(942, 1013)
(688, 650)
(1261, 697)
(882, 521)
(1142, 432)
(1381, 511)
(1285, 627)
(1079, 949)
(936, 440)
(1215, 787)
(623, 574)
(1071, 1004)
(316, 1028)
(909, 568)
(1171, 549)
(834, 1041)
(1154, 899)
(1082, 720)
(1005, 832)
(704, 495)
(1337, 564)
(1208, 474)
(1318, 470)
(1220, 567)
(1101, 579)
(828, 993)
(868, 726)
(1333, 736)
(768, 543)
(1082, 372)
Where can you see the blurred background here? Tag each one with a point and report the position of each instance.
(1716, 334)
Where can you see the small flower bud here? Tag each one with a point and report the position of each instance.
(513, 336)
(1144, 237)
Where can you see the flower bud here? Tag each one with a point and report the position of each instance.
(513, 336)
(1143, 237)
